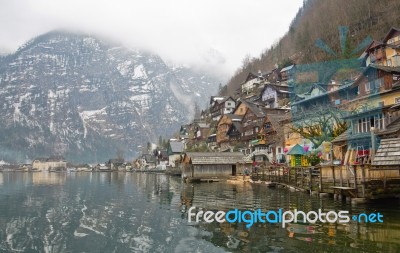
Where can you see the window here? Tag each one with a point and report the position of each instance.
(389, 62)
(367, 87)
(397, 100)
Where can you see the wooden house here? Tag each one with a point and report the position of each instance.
(274, 76)
(251, 82)
(385, 52)
(372, 102)
(286, 72)
(221, 106)
(392, 49)
(251, 123)
(223, 126)
(275, 95)
(376, 53)
(210, 165)
(234, 132)
(215, 111)
(271, 135)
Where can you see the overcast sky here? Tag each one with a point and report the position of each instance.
(216, 33)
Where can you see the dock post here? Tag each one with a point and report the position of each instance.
(363, 180)
(320, 179)
(333, 175)
(310, 178)
(355, 179)
(341, 176)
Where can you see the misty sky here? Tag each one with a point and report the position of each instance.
(213, 33)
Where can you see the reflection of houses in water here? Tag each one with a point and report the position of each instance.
(224, 196)
(48, 178)
(296, 238)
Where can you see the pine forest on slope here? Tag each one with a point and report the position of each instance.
(320, 19)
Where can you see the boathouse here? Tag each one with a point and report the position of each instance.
(203, 165)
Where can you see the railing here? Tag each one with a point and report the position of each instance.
(249, 158)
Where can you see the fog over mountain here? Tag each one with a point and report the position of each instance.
(86, 98)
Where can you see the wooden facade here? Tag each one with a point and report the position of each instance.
(210, 165)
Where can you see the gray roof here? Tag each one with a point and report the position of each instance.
(176, 146)
(255, 108)
(287, 68)
(215, 157)
(392, 128)
(388, 153)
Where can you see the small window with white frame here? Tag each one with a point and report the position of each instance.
(397, 100)
(367, 87)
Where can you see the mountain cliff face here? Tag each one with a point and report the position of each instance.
(81, 97)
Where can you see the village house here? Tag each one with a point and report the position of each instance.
(275, 95)
(210, 165)
(251, 124)
(251, 83)
(225, 122)
(275, 75)
(372, 104)
(212, 141)
(148, 161)
(215, 107)
(174, 151)
(234, 133)
(223, 126)
(286, 72)
(271, 135)
(385, 52)
(114, 164)
(51, 163)
(222, 107)
(201, 130)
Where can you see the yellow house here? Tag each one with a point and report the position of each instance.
(392, 49)
(45, 164)
(385, 52)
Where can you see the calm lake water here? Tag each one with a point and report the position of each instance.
(136, 212)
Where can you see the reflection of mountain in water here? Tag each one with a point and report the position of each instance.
(95, 212)
(137, 212)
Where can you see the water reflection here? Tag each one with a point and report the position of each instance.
(47, 178)
(136, 212)
(95, 212)
(352, 237)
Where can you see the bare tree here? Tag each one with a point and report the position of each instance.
(320, 124)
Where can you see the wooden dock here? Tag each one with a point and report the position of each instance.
(355, 181)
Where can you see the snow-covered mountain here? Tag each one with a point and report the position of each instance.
(84, 98)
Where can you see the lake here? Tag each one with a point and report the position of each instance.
(138, 212)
